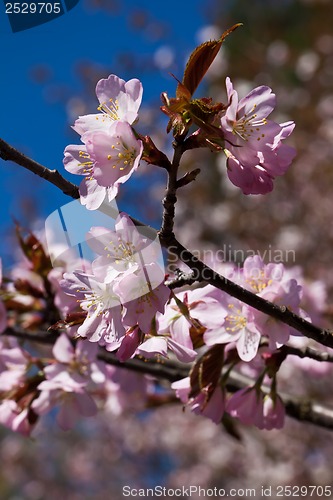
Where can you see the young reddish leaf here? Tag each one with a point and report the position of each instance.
(34, 251)
(207, 370)
(200, 61)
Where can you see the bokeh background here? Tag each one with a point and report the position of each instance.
(48, 79)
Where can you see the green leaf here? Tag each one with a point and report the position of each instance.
(200, 61)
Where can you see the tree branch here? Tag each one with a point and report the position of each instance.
(302, 410)
(308, 352)
(181, 279)
(7, 153)
(170, 199)
(204, 273)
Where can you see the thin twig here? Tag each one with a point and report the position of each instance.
(8, 153)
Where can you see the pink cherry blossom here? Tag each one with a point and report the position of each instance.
(193, 308)
(274, 284)
(129, 344)
(70, 381)
(273, 413)
(107, 159)
(13, 364)
(238, 326)
(142, 293)
(247, 405)
(257, 276)
(252, 407)
(159, 344)
(255, 153)
(103, 323)
(286, 295)
(119, 101)
(14, 417)
(124, 249)
(71, 406)
(3, 314)
(74, 368)
(208, 403)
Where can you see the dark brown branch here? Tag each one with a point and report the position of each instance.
(303, 410)
(7, 153)
(308, 352)
(204, 273)
(170, 199)
(181, 279)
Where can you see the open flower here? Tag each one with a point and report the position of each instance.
(124, 249)
(119, 100)
(107, 159)
(70, 380)
(142, 293)
(103, 323)
(238, 325)
(255, 153)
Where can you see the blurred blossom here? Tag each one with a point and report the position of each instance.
(325, 44)
(75, 106)
(277, 53)
(208, 32)
(164, 57)
(290, 237)
(307, 64)
(326, 130)
(325, 106)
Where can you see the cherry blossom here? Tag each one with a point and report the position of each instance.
(107, 159)
(197, 309)
(247, 405)
(159, 344)
(103, 323)
(255, 153)
(69, 381)
(119, 101)
(14, 417)
(124, 249)
(209, 403)
(13, 364)
(3, 314)
(142, 293)
(238, 326)
(273, 413)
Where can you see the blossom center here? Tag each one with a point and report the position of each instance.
(235, 319)
(259, 284)
(124, 251)
(248, 125)
(101, 300)
(122, 155)
(110, 108)
(88, 164)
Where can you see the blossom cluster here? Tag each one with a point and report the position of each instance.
(104, 307)
(120, 302)
(111, 150)
(253, 144)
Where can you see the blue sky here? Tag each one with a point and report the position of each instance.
(40, 127)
